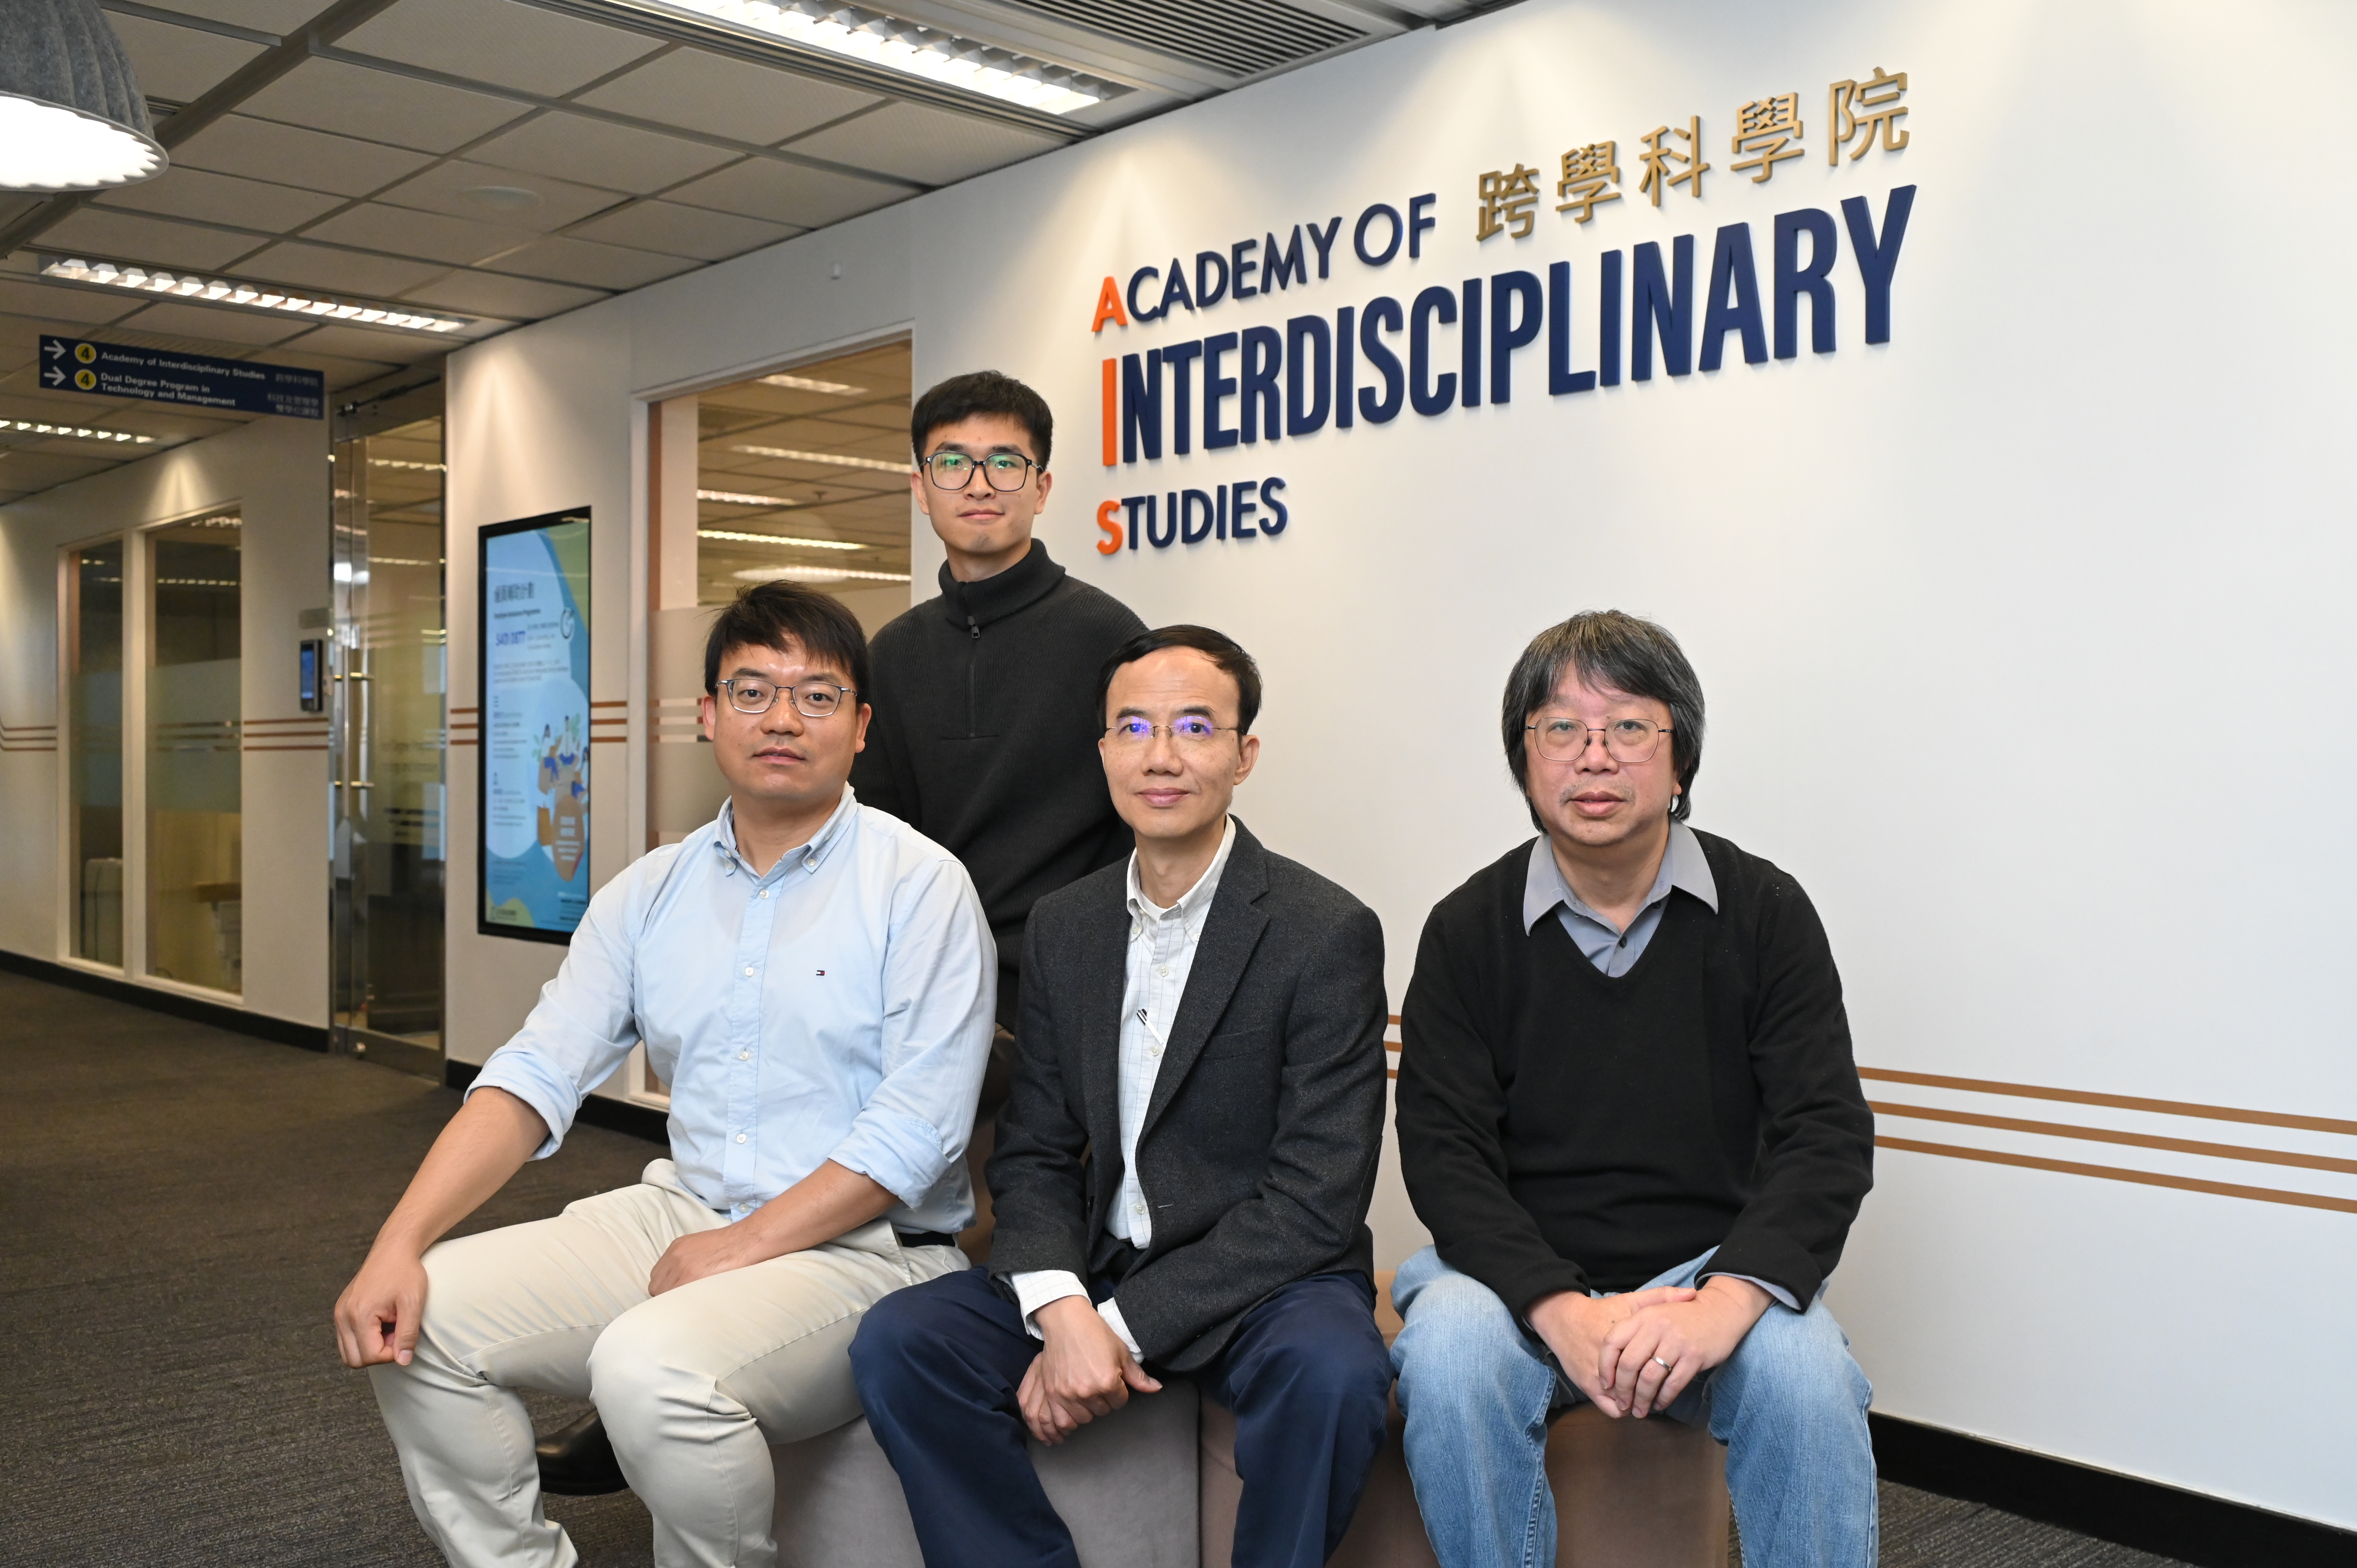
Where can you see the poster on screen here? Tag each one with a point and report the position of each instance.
(534, 855)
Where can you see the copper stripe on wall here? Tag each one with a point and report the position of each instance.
(2108, 1135)
(2118, 1173)
(2117, 1102)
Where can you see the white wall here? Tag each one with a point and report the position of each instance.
(2025, 633)
(275, 471)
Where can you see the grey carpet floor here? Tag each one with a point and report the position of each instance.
(179, 1208)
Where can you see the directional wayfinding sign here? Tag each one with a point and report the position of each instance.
(168, 375)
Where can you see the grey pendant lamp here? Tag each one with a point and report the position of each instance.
(71, 117)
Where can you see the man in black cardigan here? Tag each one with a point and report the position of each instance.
(1183, 1168)
(1629, 1115)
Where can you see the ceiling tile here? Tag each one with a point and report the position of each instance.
(499, 42)
(787, 193)
(431, 235)
(329, 95)
(351, 342)
(280, 16)
(732, 98)
(489, 294)
(573, 146)
(245, 326)
(934, 146)
(178, 63)
(56, 302)
(125, 237)
(341, 272)
(683, 231)
(223, 198)
(585, 262)
(444, 187)
(265, 149)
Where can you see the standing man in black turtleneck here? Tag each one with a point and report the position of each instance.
(985, 738)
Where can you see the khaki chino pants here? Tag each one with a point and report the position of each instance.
(693, 1384)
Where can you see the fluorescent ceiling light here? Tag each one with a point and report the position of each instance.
(48, 146)
(277, 298)
(816, 574)
(397, 462)
(738, 498)
(928, 53)
(78, 432)
(777, 539)
(835, 459)
(804, 383)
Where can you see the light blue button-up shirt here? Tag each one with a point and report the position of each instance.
(840, 1007)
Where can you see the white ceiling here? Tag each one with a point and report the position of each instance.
(507, 160)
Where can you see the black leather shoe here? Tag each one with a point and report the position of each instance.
(577, 1461)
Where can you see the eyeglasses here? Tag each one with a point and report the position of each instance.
(1629, 741)
(813, 699)
(1189, 730)
(1005, 470)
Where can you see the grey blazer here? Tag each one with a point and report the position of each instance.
(1261, 1141)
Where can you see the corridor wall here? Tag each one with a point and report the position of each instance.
(2017, 578)
(274, 472)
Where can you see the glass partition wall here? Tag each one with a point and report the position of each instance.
(93, 657)
(194, 848)
(387, 746)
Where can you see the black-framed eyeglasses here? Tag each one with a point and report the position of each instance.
(954, 470)
(1565, 739)
(813, 699)
(1187, 729)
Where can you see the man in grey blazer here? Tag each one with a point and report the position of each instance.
(1183, 1165)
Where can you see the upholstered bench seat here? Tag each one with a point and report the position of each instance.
(1155, 1486)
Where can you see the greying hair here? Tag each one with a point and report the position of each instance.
(1608, 650)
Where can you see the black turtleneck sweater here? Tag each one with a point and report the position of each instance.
(985, 731)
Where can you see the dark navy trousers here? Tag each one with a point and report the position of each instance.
(1306, 1373)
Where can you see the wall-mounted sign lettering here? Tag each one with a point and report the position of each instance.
(1677, 304)
(533, 864)
(169, 375)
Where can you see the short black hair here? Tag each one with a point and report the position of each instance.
(982, 392)
(1615, 649)
(771, 614)
(1217, 646)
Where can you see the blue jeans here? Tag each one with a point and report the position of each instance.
(1477, 1390)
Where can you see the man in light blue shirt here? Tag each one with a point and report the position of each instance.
(816, 983)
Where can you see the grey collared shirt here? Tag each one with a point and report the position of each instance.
(1616, 952)
(1607, 947)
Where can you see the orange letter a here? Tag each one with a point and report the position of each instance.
(1108, 308)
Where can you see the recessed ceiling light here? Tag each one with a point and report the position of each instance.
(77, 431)
(777, 539)
(804, 383)
(738, 498)
(815, 574)
(501, 198)
(276, 298)
(928, 53)
(834, 459)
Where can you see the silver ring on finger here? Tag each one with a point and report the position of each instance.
(1665, 1367)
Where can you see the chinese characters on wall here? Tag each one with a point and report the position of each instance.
(1860, 115)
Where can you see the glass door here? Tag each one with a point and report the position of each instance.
(387, 704)
(94, 750)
